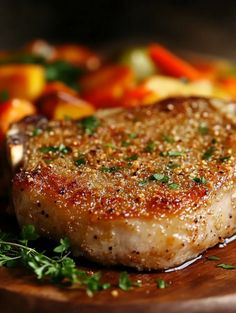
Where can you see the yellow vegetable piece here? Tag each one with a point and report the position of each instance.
(22, 81)
(76, 110)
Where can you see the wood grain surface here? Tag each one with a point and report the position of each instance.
(200, 287)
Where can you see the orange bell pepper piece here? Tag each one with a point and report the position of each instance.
(105, 87)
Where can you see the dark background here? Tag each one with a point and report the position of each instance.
(203, 26)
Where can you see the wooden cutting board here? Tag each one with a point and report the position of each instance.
(200, 287)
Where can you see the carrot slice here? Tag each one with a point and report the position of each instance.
(170, 64)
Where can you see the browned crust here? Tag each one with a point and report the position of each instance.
(114, 195)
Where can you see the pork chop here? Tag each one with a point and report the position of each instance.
(146, 187)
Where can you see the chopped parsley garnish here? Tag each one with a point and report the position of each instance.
(124, 281)
(90, 124)
(226, 266)
(80, 161)
(208, 154)
(150, 147)
(203, 130)
(200, 180)
(173, 186)
(110, 145)
(213, 258)
(172, 165)
(224, 158)
(133, 157)
(125, 143)
(61, 149)
(132, 135)
(159, 177)
(36, 131)
(4, 95)
(143, 182)
(111, 169)
(162, 284)
(168, 139)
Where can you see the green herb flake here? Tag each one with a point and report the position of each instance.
(224, 158)
(226, 266)
(124, 281)
(213, 258)
(162, 284)
(4, 95)
(208, 154)
(173, 165)
(200, 180)
(150, 147)
(50, 149)
(111, 169)
(143, 182)
(159, 177)
(174, 153)
(36, 132)
(110, 145)
(63, 247)
(132, 135)
(28, 232)
(90, 124)
(125, 143)
(168, 139)
(203, 130)
(80, 161)
(133, 157)
(173, 186)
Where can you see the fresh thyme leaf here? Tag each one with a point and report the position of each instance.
(213, 258)
(90, 124)
(124, 281)
(200, 180)
(133, 157)
(226, 266)
(63, 247)
(28, 232)
(159, 177)
(208, 153)
(4, 95)
(162, 284)
(150, 147)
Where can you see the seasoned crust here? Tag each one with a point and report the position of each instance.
(116, 180)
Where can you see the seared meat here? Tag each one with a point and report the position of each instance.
(147, 187)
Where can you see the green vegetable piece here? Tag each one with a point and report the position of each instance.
(139, 61)
(133, 157)
(80, 161)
